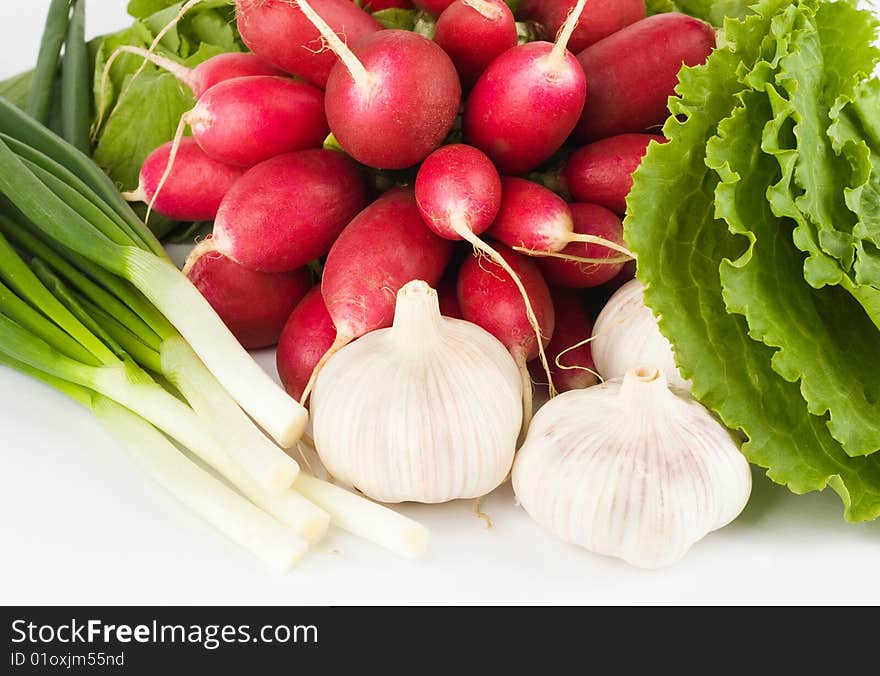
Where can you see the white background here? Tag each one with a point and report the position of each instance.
(79, 524)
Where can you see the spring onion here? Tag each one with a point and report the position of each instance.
(43, 83)
(75, 89)
(168, 289)
(88, 307)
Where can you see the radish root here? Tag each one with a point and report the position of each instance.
(468, 235)
(206, 246)
(535, 253)
(575, 367)
(137, 195)
(485, 9)
(602, 241)
(304, 455)
(175, 146)
(527, 396)
(358, 73)
(338, 344)
(565, 33)
(479, 513)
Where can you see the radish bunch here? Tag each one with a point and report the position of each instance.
(450, 148)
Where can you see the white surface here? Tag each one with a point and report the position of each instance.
(21, 25)
(79, 524)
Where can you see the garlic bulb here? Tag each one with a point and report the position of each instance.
(626, 336)
(428, 410)
(631, 469)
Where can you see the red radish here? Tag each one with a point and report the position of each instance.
(601, 172)
(287, 211)
(202, 77)
(433, 6)
(527, 102)
(391, 101)
(447, 296)
(633, 73)
(458, 191)
(571, 358)
(536, 221)
(379, 5)
(307, 335)
(208, 73)
(600, 19)
(383, 248)
(489, 298)
(278, 32)
(194, 188)
(596, 221)
(247, 120)
(473, 33)
(254, 305)
(250, 119)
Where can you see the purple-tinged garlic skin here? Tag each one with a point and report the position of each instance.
(631, 469)
(626, 336)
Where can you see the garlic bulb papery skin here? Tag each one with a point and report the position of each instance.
(626, 336)
(631, 469)
(428, 410)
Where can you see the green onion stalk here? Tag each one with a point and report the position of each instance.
(205, 495)
(90, 304)
(72, 221)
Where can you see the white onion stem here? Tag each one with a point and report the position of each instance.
(240, 521)
(271, 467)
(365, 518)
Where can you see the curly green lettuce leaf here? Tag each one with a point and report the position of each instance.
(822, 175)
(854, 133)
(825, 341)
(715, 11)
(671, 225)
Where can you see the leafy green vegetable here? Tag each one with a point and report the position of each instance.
(766, 350)
(16, 89)
(811, 324)
(129, 136)
(141, 9)
(137, 115)
(105, 90)
(395, 17)
(653, 7)
(713, 11)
